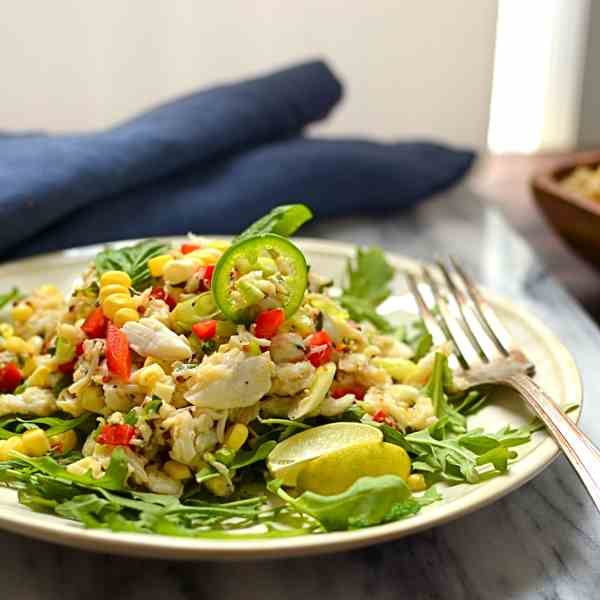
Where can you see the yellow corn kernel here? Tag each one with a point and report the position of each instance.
(17, 345)
(21, 312)
(180, 270)
(218, 486)
(35, 442)
(48, 290)
(92, 399)
(416, 482)
(36, 342)
(236, 436)
(123, 315)
(115, 278)
(158, 263)
(221, 245)
(148, 376)
(116, 302)
(111, 289)
(176, 470)
(13, 443)
(206, 256)
(39, 377)
(28, 367)
(65, 441)
(164, 391)
(6, 330)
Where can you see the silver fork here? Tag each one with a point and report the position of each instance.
(486, 354)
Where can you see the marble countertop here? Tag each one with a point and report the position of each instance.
(540, 542)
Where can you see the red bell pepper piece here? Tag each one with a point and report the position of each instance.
(320, 348)
(269, 322)
(205, 274)
(205, 329)
(10, 377)
(161, 294)
(187, 248)
(68, 367)
(95, 324)
(116, 435)
(380, 416)
(357, 390)
(118, 355)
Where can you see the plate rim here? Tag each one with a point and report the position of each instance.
(168, 547)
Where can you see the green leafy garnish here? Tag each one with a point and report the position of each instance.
(133, 260)
(12, 425)
(11, 296)
(282, 220)
(369, 501)
(367, 286)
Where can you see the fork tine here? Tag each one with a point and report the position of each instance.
(484, 311)
(470, 320)
(467, 354)
(438, 335)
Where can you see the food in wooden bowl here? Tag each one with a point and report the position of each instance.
(569, 197)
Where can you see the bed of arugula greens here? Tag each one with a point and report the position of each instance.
(447, 451)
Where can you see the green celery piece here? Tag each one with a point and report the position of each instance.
(283, 220)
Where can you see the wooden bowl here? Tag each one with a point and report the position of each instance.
(575, 217)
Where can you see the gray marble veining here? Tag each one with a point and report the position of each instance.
(540, 542)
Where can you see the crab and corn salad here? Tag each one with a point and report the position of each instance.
(221, 388)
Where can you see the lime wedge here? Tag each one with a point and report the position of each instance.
(336, 471)
(290, 456)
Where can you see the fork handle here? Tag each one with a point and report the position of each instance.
(579, 449)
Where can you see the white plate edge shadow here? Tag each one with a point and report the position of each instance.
(19, 519)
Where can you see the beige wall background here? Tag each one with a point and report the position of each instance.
(410, 68)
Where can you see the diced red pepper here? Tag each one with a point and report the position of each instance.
(118, 355)
(10, 377)
(357, 390)
(205, 274)
(161, 294)
(269, 322)
(320, 348)
(79, 349)
(187, 248)
(380, 416)
(116, 435)
(68, 367)
(95, 324)
(205, 329)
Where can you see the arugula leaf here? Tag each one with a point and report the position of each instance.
(412, 505)
(243, 458)
(11, 296)
(367, 286)
(283, 220)
(415, 335)
(133, 260)
(369, 501)
(114, 478)
(55, 425)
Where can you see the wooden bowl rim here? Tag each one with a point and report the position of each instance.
(548, 182)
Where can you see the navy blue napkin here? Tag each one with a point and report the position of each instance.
(210, 163)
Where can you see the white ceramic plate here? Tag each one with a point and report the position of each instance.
(556, 372)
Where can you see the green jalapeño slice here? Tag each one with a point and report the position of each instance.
(259, 273)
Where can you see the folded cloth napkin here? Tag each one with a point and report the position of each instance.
(210, 162)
